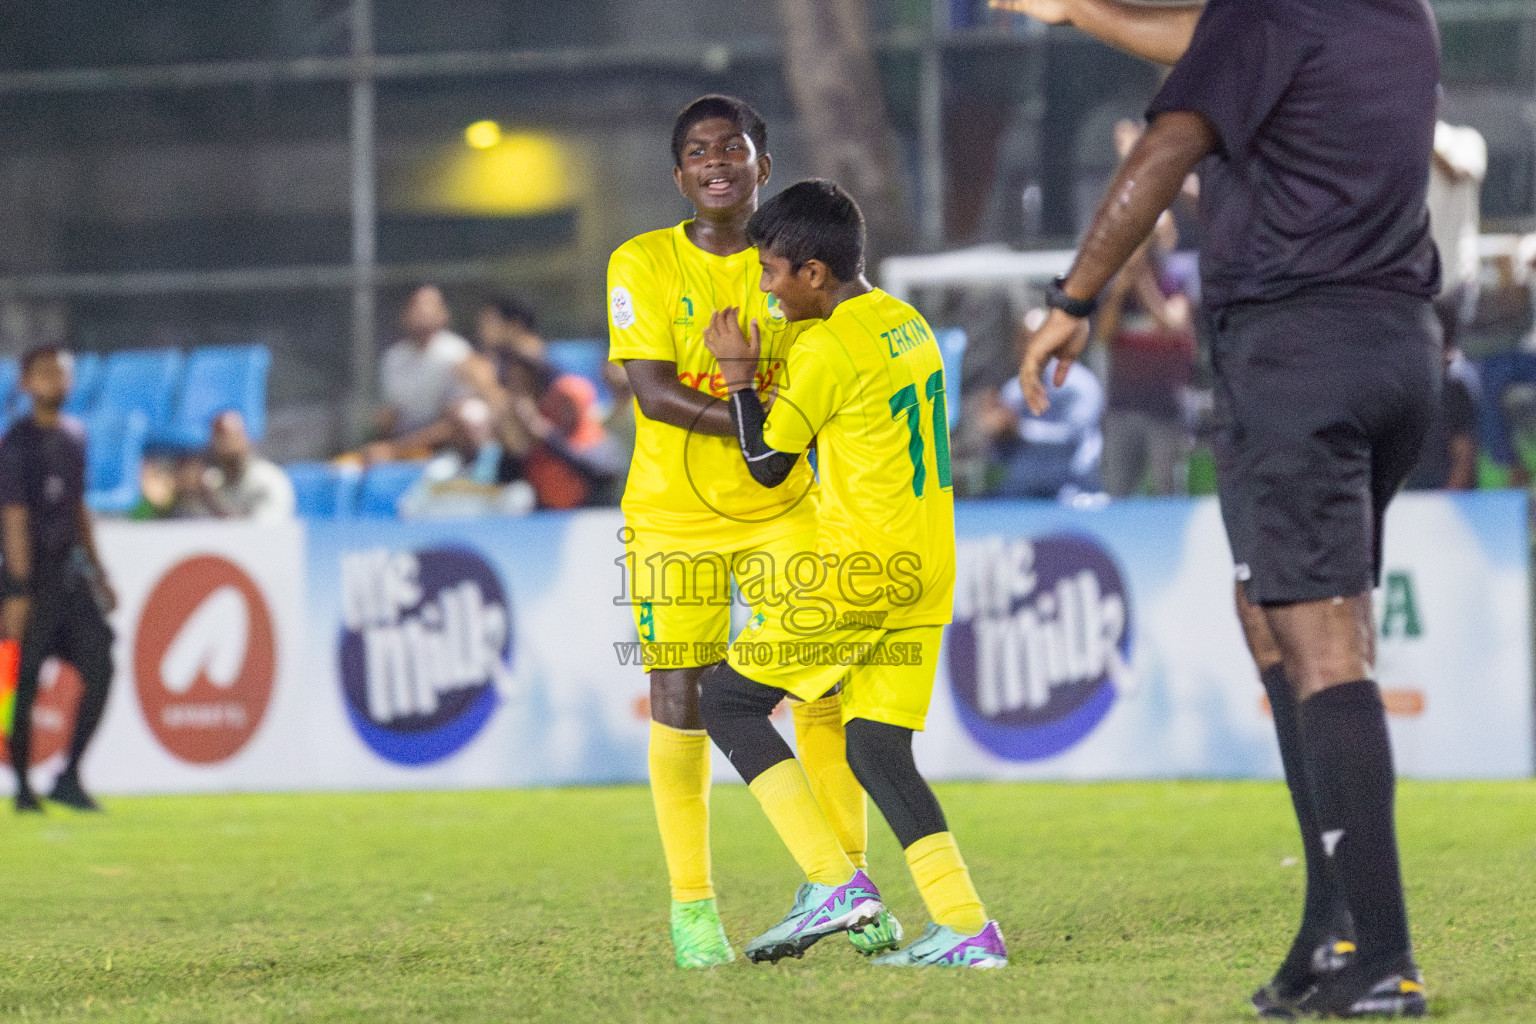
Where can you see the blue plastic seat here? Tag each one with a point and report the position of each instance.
(87, 379)
(114, 455)
(382, 487)
(216, 379)
(12, 404)
(140, 380)
(322, 490)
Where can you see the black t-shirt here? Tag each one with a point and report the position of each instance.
(1325, 114)
(43, 468)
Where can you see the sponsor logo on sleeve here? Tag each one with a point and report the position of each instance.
(621, 307)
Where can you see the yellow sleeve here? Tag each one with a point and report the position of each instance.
(811, 393)
(638, 323)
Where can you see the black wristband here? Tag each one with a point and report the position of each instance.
(1056, 298)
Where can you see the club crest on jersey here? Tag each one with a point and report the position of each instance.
(775, 311)
(621, 307)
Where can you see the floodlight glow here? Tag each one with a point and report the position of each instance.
(483, 134)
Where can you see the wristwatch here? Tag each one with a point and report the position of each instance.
(1056, 298)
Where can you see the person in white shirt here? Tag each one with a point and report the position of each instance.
(238, 483)
(1455, 215)
(419, 381)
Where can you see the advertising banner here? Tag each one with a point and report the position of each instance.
(1087, 644)
(1103, 643)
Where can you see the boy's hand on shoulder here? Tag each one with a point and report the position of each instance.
(734, 351)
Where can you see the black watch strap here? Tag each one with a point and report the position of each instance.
(1058, 299)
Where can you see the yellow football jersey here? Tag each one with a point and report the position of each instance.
(662, 290)
(868, 384)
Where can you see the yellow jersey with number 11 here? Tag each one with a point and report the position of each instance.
(662, 290)
(868, 384)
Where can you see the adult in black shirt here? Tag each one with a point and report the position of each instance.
(55, 594)
(1311, 122)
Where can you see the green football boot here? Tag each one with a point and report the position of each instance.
(697, 935)
(881, 935)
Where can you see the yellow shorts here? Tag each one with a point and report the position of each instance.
(681, 594)
(886, 674)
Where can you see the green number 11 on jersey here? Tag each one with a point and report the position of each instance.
(907, 401)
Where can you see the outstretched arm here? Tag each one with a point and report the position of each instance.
(1155, 32)
(1147, 182)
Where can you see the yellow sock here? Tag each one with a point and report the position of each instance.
(823, 751)
(945, 883)
(786, 798)
(679, 762)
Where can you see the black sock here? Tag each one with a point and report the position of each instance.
(1349, 762)
(1324, 912)
(881, 758)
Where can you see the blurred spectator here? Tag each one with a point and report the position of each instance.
(548, 422)
(620, 422)
(1499, 341)
(1055, 455)
(1449, 459)
(236, 483)
(1146, 324)
(1455, 215)
(419, 381)
(1147, 327)
(464, 478)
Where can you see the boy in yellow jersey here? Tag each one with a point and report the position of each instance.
(868, 608)
(694, 518)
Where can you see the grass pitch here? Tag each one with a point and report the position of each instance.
(1124, 902)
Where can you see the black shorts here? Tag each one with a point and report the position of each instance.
(1323, 401)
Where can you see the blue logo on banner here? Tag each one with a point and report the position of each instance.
(1040, 643)
(425, 640)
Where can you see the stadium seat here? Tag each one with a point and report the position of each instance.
(585, 358)
(114, 452)
(87, 378)
(141, 380)
(382, 487)
(952, 349)
(322, 490)
(12, 407)
(218, 378)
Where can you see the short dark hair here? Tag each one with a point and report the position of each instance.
(513, 311)
(812, 220)
(739, 112)
(37, 352)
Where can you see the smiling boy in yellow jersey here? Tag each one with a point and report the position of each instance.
(867, 384)
(694, 517)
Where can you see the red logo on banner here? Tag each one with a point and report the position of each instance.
(204, 659)
(53, 713)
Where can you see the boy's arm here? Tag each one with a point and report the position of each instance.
(737, 356)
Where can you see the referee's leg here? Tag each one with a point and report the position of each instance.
(1328, 647)
(87, 643)
(37, 641)
(1325, 932)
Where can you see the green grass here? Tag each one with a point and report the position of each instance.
(1124, 902)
